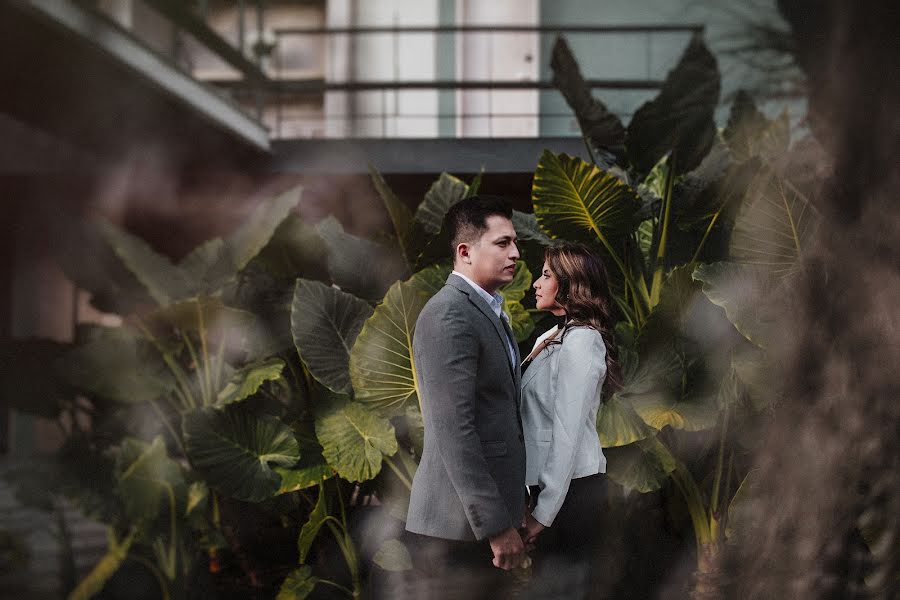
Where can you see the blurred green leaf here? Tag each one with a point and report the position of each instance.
(164, 281)
(147, 478)
(392, 555)
(643, 466)
(619, 425)
(298, 585)
(400, 215)
(749, 133)
(513, 292)
(116, 364)
(295, 250)
(311, 528)
(348, 253)
(601, 128)
(680, 118)
(443, 193)
(235, 450)
(325, 323)
(774, 226)
(247, 380)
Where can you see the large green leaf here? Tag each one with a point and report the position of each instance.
(207, 313)
(672, 385)
(749, 133)
(431, 279)
(298, 585)
(577, 201)
(164, 281)
(393, 556)
(400, 216)
(28, 381)
(354, 439)
(601, 128)
(86, 258)
(750, 296)
(117, 552)
(774, 226)
(254, 233)
(311, 528)
(680, 118)
(348, 254)
(381, 362)
(118, 365)
(303, 477)
(704, 199)
(247, 380)
(643, 466)
(208, 266)
(325, 323)
(520, 321)
(443, 193)
(528, 229)
(235, 450)
(295, 250)
(148, 479)
(618, 424)
(311, 470)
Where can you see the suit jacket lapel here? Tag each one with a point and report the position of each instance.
(488, 312)
(517, 360)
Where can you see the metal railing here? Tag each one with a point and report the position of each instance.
(323, 105)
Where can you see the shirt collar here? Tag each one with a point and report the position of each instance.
(495, 301)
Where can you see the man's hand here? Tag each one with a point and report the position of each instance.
(508, 549)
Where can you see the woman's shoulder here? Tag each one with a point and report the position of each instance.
(582, 336)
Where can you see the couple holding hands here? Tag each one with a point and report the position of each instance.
(511, 463)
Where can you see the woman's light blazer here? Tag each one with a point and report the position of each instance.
(560, 400)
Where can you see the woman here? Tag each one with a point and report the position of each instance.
(570, 369)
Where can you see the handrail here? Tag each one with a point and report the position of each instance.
(604, 29)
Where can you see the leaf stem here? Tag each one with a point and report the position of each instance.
(165, 421)
(174, 367)
(665, 214)
(403, 478)
(203, 347)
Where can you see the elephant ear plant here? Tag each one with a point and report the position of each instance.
(661, 195)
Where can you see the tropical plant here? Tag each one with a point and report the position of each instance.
(661, 195)
(269, 363)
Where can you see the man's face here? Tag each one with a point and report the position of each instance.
(493, 257)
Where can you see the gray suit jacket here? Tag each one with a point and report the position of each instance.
(470, 483)
(560, 401)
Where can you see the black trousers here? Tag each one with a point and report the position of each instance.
(566, 554)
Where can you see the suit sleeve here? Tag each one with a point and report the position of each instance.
(446, 355)
(577, 382)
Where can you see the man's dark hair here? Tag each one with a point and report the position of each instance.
(466, 220)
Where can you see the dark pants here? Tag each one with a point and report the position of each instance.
(449, 569)
(566, 554)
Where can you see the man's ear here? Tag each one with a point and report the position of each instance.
(462, 253)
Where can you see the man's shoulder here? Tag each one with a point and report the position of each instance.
(448, 303)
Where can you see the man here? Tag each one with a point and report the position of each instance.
(468, 494)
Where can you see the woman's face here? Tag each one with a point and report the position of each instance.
(545, 288)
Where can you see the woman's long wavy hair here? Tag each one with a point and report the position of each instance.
(584, 294)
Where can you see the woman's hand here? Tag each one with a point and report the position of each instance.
(532, 528)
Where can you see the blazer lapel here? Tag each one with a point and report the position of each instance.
(486, 310)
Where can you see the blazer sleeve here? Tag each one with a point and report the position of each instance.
(581, 369)
(447, 356)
